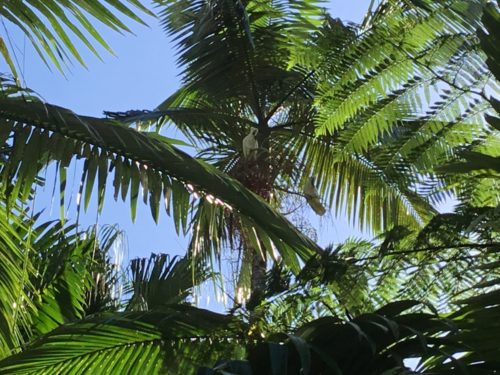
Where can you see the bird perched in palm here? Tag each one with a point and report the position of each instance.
(312, 197)
(250, 145)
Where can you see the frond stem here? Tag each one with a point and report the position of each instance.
(285, 190)
(432, 248)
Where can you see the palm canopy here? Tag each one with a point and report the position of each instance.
(336, 106)
(367, 111)
(47, 128)
(174, 338)
(243, 69)
(41, 134)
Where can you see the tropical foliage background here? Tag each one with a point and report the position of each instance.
(390, 118)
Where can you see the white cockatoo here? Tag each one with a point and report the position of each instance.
(312, 197)
(250, 144)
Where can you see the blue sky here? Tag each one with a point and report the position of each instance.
(140, 75)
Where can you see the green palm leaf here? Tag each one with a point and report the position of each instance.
(16, 289)
(161, 280)
(50, 26)
(477, 167)
(72, 274)
(373, 100)
(173, 340)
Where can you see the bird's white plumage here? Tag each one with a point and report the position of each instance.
(313, 198)
(250, 145)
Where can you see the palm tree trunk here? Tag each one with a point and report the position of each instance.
(258, 279)
(259, 263)
(256, 175)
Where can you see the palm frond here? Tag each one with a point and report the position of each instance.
(72, 274)
(16, 304)
(407, 43)
(381, 342)
(161, 281)
(402, 97)
(435, 264)
(476, 167)
(50, 26)
(225, 46)
(164, 341)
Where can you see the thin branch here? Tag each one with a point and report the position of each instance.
(416, 60)
(433, 248)
(287, 125)
(452, 84)
(289, 191)
(455, 258)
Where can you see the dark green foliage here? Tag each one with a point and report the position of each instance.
(380, 342)
(172, 340)
(382, 115)
(73, 275)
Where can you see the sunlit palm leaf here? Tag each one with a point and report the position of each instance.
(70, 273)
(16, 305)
(477, 168)
(443, 260)
(388, 99)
